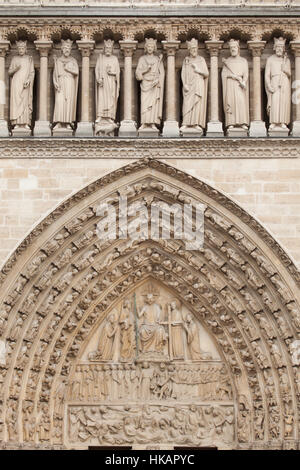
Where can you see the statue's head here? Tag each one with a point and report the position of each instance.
(150, 45)
(193, 47)
(112, 317)
(108, 47)
(66, 47)
(21, 47)
(234, 46)
(188, 318)
(149, 298)
(279, 46)
(173, 304)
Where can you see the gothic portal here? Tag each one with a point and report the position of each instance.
(142, 342)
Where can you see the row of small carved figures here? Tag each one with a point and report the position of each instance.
(117, 383)
(134, 423)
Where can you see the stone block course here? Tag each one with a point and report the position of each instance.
(268, 189)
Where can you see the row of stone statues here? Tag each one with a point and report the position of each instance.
(151, 75)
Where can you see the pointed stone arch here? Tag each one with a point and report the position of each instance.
(62, 281)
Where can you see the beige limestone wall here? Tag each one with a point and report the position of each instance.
(269, 189)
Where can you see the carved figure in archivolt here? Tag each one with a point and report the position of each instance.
(21, 71)
(151, 333)
(194, 75)
(235, 88)
(65, 79)
(150, 72)
(278, 86)
(107, 73)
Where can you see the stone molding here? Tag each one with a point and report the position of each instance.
(203, 148)
(254, 29)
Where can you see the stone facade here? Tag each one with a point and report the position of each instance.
(142, 342)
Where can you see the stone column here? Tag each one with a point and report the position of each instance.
(214, 126)
(171, 126)
(295, 46)
(85, 126)
(128, 126)
(4, 46)
(42, 126)
(257, 126)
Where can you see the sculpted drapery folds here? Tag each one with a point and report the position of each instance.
(107, 73)
(65, 79)
(150, 72)
(176, 330)
(21, 71)
(278, 86)
(127, 331)
(194, 75)
(108, 338)
(152, 335)
(235, 88)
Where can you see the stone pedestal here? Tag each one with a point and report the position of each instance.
(257, 129)
(296, 129)
(170, 129)
(62, 132)
(191, 132)
(148, 132)
(128, 129)
(214, 129)
(4, 128)
(42, 129)
(237, 132)
(21, 132)
(84, 129)
(278, 132)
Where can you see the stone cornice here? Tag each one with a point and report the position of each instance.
(139, 8)
(205, 148)
(169, 28)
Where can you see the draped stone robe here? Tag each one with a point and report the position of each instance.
(107, 94)
(279, 102)
(151, 96)
(152, 334)
(194, 100)
(235, 98)
(65, 75)
(20, 97)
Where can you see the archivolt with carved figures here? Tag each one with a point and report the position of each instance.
(80, 334)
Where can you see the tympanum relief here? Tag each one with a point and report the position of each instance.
(150, 373)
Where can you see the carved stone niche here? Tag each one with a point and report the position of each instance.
(150, 374)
